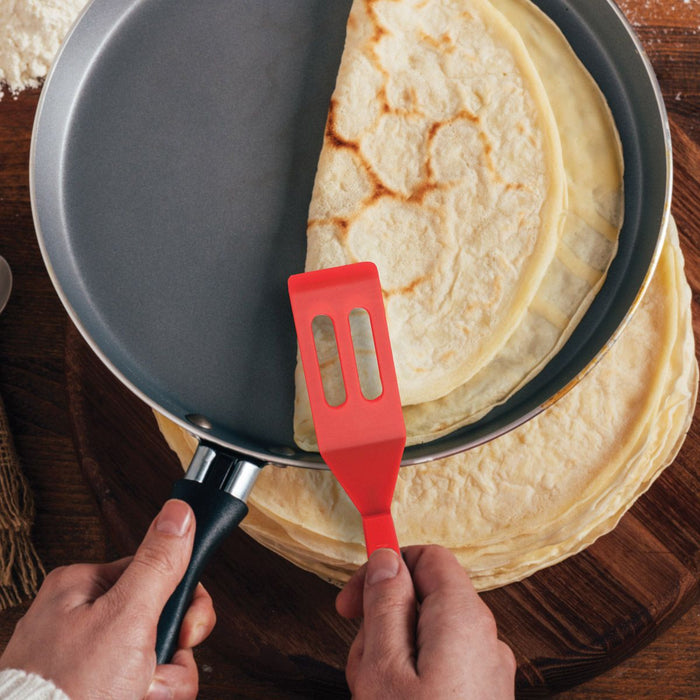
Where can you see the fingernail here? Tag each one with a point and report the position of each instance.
(158, 691)
(382, 565)
(174, 518)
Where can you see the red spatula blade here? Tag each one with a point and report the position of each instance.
(361, 439)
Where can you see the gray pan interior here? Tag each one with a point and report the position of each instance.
(172, 165)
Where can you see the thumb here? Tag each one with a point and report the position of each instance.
(389, 606)
(160, 561)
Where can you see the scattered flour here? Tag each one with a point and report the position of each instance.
(30, 33)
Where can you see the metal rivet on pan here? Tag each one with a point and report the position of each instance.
(199, 420)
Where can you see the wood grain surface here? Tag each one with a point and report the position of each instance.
(278, 635)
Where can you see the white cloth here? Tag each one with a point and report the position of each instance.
(20, 685)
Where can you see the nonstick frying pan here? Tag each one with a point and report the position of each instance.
(171, 167)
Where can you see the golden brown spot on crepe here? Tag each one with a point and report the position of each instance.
(384, 100)
(488, 149)
(340, 143)
(378, 33)
(462, 114)
(488, 160)
(406, 289)
(424, 188)
(331, 134)
(466, 114)
(380, 189)
(409, 97)
(442, 43)
(341, 227)
(429, 185)
(433, 130)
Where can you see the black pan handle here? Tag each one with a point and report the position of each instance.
(217, 497)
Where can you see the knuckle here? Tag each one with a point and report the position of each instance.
(64, 586)
(480, 617)
(486, 622)
(508, 657)
(23, 624)
(56, 578)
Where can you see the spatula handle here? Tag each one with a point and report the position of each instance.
(380, 532)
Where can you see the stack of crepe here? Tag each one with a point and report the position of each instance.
(470, 155)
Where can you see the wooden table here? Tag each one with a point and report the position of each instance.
(69, 524)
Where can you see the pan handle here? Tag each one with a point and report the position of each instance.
(217, 498)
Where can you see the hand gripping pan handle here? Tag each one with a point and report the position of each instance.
(361, 438)
(217, 497)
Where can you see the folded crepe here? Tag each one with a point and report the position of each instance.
(532, 497)
(442, 164)
(586, 237)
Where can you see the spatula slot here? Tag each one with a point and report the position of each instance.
(365, 354)
(327, 356)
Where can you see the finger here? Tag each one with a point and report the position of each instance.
(199, 619)
(348, 602)
(178, 680)
(452, 615)
(159, 562)
(436, 568)
(389, 606)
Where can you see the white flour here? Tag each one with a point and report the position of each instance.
(30, 33)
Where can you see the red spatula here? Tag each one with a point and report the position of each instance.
(361, 439)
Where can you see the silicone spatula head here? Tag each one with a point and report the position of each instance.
(361, 435)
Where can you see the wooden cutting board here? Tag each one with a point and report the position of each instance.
(278, 624)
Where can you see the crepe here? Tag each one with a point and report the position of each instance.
(532, 497)
(442, 164)
(587, 243)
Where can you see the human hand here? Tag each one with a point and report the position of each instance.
(425, 634)
(92, 627)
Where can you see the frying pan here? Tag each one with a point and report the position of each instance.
(171, 167)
